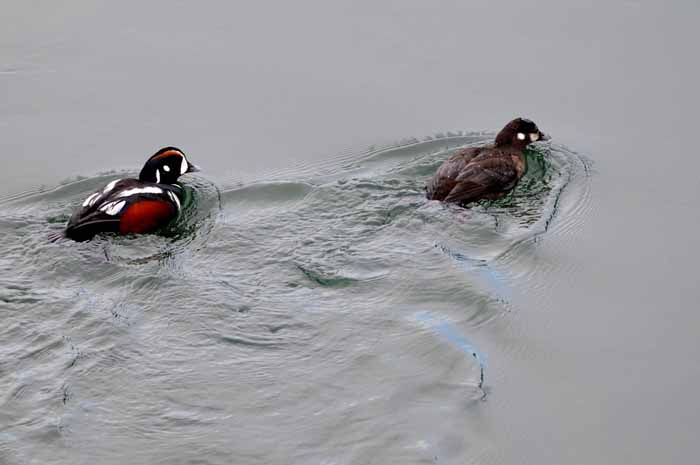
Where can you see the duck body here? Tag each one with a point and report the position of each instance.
(126, 206)
(476, 173)
(487, 172)
(134, 206)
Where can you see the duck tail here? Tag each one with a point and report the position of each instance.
(57, 236)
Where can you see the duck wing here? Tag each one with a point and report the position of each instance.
(84, 227)
(482, 178)
(446, 176)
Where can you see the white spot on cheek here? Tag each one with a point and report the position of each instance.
(521, 136)
(166, 168)
(183, 166)
(112, 208)
(157, 176)
(534, 136)
(90, 201)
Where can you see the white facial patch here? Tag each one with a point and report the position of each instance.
(140, 190)
(166, 168)
(175, 199)
(111, 185)
(521, 136)
(534, 136)
(90, 201)
(183, 166)
(112, 208)
(157, 176)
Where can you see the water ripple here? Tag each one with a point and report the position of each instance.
(279, 309)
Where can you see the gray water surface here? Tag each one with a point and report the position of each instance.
(311, 307)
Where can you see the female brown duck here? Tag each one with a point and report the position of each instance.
(487, 172)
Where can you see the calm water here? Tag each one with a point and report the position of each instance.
(311, 307)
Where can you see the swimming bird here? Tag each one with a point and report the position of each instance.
(487, 172)
(142, 205)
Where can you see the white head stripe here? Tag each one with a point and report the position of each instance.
(112, 208)
(534, 136)
(140, 190)
(111, 185)
(166, 168)
(175, 199)
(157, 176)
(90, 201)
(521, 136)
(183, 166)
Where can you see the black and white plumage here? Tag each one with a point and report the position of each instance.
(142, 205)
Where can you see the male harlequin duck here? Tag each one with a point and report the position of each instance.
(140, 205)
(487, 172)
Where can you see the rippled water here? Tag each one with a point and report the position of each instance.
(313, 308)
(328, 313)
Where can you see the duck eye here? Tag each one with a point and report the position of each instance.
(166, 168)
(521, 136)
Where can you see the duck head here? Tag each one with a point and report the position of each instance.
(165, 166)
(519, 133)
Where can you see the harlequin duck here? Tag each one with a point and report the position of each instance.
(487, 172)
(140, 205)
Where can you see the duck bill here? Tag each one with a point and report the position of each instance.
(192, 168)
(544, 136)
